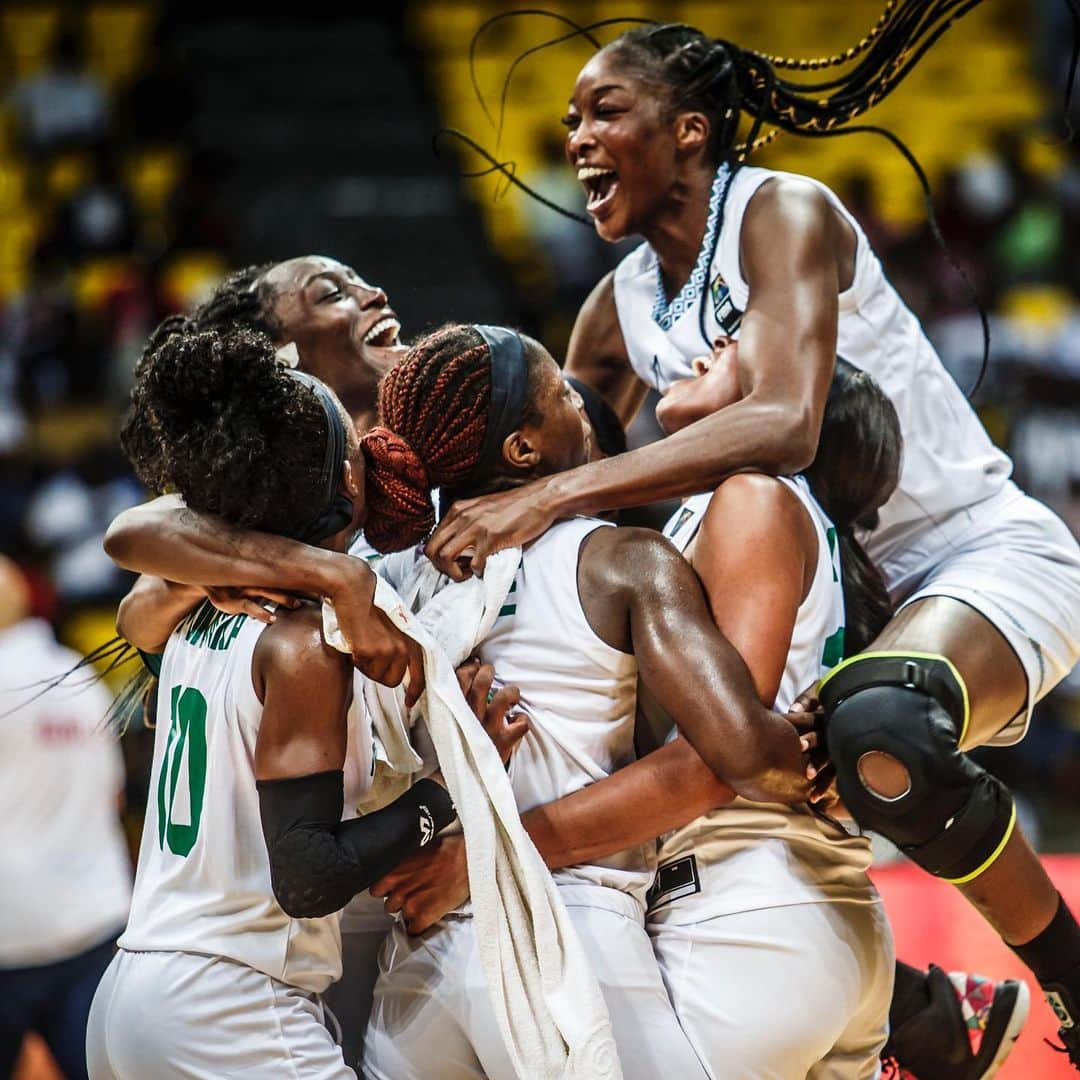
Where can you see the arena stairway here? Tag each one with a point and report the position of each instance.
(326, 131)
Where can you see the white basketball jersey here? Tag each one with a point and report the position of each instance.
(747, 855)
(949, 462)
(203, 879)
(580, 694)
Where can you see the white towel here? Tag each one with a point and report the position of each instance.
(548, 1004)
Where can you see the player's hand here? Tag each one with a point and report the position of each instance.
(378, 648)
(428, 884)
(473, 529)
(782, 777)
(495, 711)
(233, 600)
(808, 718)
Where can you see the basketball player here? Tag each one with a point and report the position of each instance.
(987, 579)
(245, 859)
(592, 608)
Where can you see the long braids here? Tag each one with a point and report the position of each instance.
(725, 81)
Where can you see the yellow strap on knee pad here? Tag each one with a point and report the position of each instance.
(995, 855)
(908, 655)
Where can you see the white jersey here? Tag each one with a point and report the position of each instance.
(65, 877)
(579, 693)
(748, 856)
(949, 463)
(203, 879)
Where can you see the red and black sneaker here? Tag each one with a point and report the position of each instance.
(965, 1033)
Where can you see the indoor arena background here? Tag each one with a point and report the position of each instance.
(145, 149)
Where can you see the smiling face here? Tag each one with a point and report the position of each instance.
(624, 145)
(338, 321)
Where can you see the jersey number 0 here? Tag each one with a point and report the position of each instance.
(187, 740)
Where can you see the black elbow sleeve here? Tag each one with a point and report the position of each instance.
(318, 863)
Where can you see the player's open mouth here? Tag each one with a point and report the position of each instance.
(384, 333)
(600, 188)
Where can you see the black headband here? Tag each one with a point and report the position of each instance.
(335, 510)
(509, 393)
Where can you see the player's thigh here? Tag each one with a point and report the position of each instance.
(429, 1003)
(210, 1019)
(766, 995)
(19, 997)
(1004, 605)
(649, 1038)
(349, 999)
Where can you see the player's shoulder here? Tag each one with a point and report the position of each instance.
(293, 646)
(793, 199)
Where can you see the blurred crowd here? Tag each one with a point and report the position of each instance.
(116, 208)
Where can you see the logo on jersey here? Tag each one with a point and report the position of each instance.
(673, 881)
(684, 516)
(427, 826)
(727, 314)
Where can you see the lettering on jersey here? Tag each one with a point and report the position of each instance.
(673, 881)
(727, 314)
(510, 607)
(427, 826)
(183, 771)
(213, 629)
(833, 652)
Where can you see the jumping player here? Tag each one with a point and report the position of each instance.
(987, 579)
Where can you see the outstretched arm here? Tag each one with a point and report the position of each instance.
(165, 539)
(790, 256)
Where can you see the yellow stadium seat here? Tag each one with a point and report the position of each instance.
(152, 176)
(116, 39)
(28, 32)
(97, 279)
(65, 175)
(191, 277)
(12, 188)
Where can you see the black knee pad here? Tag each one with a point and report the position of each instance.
(954, 818)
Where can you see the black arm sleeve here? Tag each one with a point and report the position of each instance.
(318, 862)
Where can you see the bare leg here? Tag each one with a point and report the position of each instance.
(997, 689)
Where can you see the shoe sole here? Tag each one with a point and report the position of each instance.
(1017, 1019)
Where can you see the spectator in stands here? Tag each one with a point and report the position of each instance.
(99, 217)
(64, 106)
(65, 875)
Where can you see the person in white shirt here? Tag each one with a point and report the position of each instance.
(65, 873)
(987, 580)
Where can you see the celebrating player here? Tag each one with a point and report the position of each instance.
(245, 858)
(987, 579)
(592, 608)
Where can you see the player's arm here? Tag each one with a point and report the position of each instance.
(641, 596)
(152, 610)
(317, 861)
(753, 552)
(597, 353)
(165, 539)
(787, 341)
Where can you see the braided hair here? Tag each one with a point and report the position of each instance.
(234, 432)
(433, 413)
(854, 472)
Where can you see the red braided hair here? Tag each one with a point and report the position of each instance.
(433, 410)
